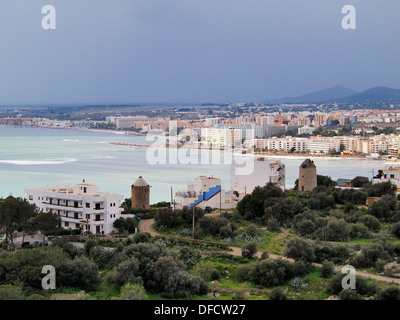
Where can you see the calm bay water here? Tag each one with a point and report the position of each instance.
(36, 157)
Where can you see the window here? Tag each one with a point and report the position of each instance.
(87, 205)
(77, 225)
(84, 190)
(392, 176)
(66, 224)
(30, 197)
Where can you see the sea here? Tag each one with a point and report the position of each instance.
(112, 160)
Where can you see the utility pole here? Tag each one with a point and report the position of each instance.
(220, 203)
(193, 222)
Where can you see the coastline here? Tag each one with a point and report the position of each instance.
(254, 154)
(312, 156)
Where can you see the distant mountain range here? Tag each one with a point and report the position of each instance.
(342, 94)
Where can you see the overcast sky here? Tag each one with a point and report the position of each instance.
(191, 51)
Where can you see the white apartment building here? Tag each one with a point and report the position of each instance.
(306, 130)
(79, 206)
(285, 144)
(262, 171)
(266, 121)
(221, 137)
(321, 145)
(390, 173)
(212, 121)
(248, 131)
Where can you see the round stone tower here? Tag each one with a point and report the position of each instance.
(307, 176)
(140, 194)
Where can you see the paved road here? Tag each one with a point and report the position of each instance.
(147, 226)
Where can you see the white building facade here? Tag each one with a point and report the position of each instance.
(390, 173)
(79, 206)
(205, 192)
(263, 171)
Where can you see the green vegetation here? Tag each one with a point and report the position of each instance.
(313, 234)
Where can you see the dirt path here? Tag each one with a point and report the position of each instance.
(147, 226)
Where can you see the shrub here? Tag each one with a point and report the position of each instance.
(335, 284)
(264, 255)
(24, 266)
(370, 222)
(141, 237)
(125, 225)
(305, 227)
(273, 225)
(249, 249)
(239, 295)
(300, 268)
(89, 245)
(35, 297)
(359, 230)
(66, 246)
(392, 292)
(379, 209)
(243, 274)
(189, 256)
(79, 273)
(127, 271)
(277, 294)
(328, 268)
(164, 268)
(337, 229)
(395, 230)
(133, 292)
(216, 226)
(349, 294)
(300, 249)
(226, 231)
(167, 217)
(215, 275)
(253, 231)
(369, 255)
(10, 292)
(380, 265)
(362, 286)
(270, 272)
(205, 270)
(184, 285)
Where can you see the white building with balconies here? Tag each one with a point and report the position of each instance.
(79, 206)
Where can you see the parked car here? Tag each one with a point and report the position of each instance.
(207, 209)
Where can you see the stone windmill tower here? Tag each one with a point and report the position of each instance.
(140, 194)
(307, 176)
